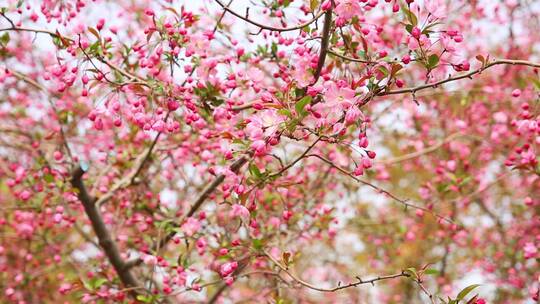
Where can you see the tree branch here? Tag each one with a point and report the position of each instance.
(104, 238)
(324, 43)
(350, 58)
(267, 27)
(339, 287)
(458, 77)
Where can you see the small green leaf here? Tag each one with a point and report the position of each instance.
(285, 112)
(254, 170)
(409, 28)
(301, 104)
(144, 298)
(274, 49)
(462, 294)
(48, 178)
(99, 282)
(383, 70)
(4, 39)
(433, 60)
(431, 271)
(257, 244)
(410, 16)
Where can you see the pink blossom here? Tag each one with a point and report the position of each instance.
(255, 75)
(437, 8)
(191, 226)
(347, 9)
(342, 97)
(240, 212)
(265, 123)
(530, 250)
(228, 268)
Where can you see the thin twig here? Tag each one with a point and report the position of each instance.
(267, 27)
(458, 77)
(337, 288)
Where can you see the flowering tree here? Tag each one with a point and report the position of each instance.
(281, 151)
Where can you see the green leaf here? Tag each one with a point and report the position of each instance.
(274, 49)
(462, 294)
(257, 244)
(409, 28)
(410, 16)
(536, 83)
(4, 39)
(99, 282)
(285, 112)
(301, 104)
(254, 170)
(48, 178)
(433, 60)
(465, 181)
(144, 298)
(431, 271)
(383, 70)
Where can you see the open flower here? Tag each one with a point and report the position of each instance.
(347, 9)
(265, 123)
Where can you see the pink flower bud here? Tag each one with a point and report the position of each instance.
(58, 155)
(228, 268)
(326, 5)
(416, 32)
(406, 59)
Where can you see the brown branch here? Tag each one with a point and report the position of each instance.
(267, 27)
(462, 76)
(339, 287)
(324, 43)
(104, 237)
(350, 58)
(299, 158)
